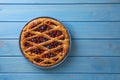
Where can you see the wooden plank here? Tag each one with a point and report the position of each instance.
(72, 64)
(60, 1)
(79, 48)
(77, 29)
(9, 48)
(38, 76)
(84, 12)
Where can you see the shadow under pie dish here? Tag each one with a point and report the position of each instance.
(45, 42)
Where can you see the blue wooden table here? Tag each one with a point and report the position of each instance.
(95, 29)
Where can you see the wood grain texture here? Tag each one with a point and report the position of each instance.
(77, 29)
(38, 76)
(79, 48)
(71, 65)
(60, 1)
(95, 29)
(84, 12)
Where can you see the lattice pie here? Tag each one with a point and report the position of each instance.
(44, 41)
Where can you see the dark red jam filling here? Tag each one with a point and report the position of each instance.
(28, 35)
(63, 38)
(37, 51)
(38, 39)
(43, 28)
(49, 55)
(59, 50)
(47, 62)
(55, 59)
(27, 45)
(38, 60)
(53, 45)
(55, 33)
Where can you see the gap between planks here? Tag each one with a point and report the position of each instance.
(55, 3)
(55, 73)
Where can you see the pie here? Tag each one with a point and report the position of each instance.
(44, 41)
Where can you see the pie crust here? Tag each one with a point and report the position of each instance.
(44, 41)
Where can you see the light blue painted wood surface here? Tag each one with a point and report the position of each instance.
(71, 65)
(82, 12)
(77, 29)
(60, 1)
(39, 76)
(84, 48)
(95, 29)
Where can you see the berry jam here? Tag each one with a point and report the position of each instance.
(27, 45)
(59, 50)
(47, 62)
(43, 28)
(53, 45)
(55, 33)
(55, 59)
(38, 39)
(63, 38)
(38, 60)
(28, 35)
(37, 51)
(49, 55)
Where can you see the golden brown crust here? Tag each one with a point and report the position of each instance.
(44, 61)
